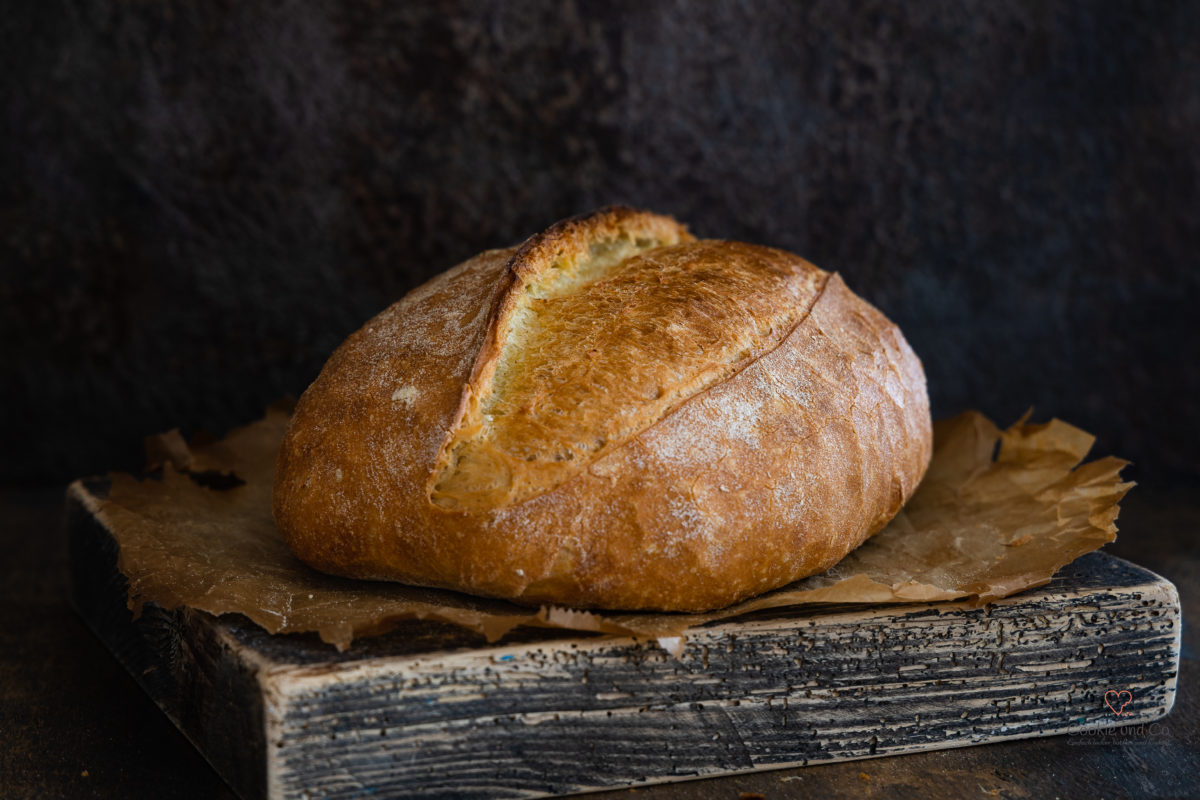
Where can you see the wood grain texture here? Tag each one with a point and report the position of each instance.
(182, 659)
(433, 711)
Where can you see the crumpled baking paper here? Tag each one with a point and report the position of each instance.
(986, 522)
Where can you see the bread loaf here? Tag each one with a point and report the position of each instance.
(612, 415)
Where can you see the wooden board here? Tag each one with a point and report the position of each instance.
(432, 710)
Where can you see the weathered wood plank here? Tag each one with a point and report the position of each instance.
(184, 660)
(434, 711)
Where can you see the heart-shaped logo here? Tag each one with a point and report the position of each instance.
(1118, 700)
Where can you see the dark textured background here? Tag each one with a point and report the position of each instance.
(199, 200)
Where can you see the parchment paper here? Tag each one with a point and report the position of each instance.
(985, 523)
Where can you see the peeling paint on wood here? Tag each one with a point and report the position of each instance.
(434, 711)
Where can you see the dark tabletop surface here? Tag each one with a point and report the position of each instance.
(74, 724)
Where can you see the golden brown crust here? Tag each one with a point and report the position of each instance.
(556, 255)
(583, 370)
(774, 469)
(567, 238)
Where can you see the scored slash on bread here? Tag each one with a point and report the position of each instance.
(605, 326)
(613, 415)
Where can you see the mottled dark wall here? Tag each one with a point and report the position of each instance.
(199, 200)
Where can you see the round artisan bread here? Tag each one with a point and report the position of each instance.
(613, 415)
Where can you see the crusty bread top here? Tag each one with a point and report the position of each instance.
(772, 420)
(607, 321)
